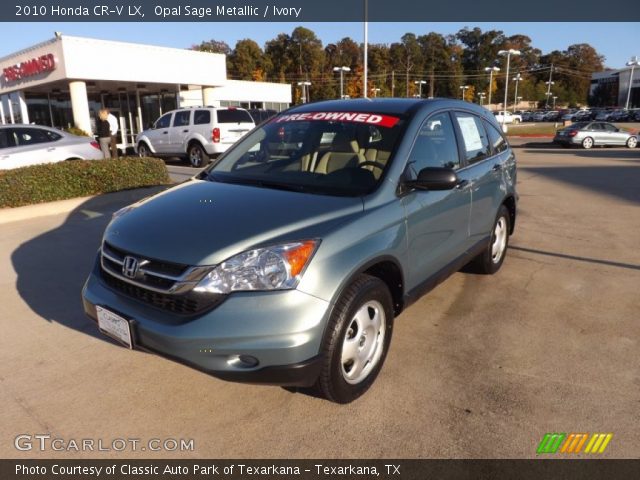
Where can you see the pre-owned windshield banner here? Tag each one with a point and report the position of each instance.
(369, 118)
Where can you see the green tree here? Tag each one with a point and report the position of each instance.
(246, 59)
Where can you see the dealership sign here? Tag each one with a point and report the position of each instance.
(29, 68)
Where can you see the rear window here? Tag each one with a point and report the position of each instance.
(202, 117)
(31, 136)
(234, 116)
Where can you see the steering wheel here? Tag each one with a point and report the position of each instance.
(372, 163)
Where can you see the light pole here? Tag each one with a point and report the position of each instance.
(632, 63)
(305, 91)
(508, 53)
(420, 83)
(491, 70)
(464, 88)
(341, 70)
(554, 102)
(549, 83)
(482, 96)
(516, 79)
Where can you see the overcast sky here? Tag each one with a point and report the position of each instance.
(618, 42)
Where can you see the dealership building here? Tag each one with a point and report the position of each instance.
(613, 85)
(65, 81)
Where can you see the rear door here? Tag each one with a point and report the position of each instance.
(482, 173)
(180, 130)
(437, 221)
(233, 124)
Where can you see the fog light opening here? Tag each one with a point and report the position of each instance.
(243, 361)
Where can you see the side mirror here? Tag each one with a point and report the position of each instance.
(434, 178)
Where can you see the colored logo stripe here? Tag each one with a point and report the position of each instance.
(551, 442)
(573, 442)
(598, 442)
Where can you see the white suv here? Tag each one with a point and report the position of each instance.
(197, 133)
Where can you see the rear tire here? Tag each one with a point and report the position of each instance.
(490, 259)
(197, 156)
(357, 340)
(632, 142)
(587, 143)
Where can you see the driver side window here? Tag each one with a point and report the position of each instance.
(435, 145)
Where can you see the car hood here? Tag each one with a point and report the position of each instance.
(204, 223)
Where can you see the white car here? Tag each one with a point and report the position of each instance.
(197, 133)
(24, 145)
(508, 118)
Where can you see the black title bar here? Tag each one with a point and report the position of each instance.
(318, 11)
(546, 469)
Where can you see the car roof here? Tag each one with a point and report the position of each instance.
(391, 106)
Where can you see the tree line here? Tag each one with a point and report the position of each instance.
(433, 64)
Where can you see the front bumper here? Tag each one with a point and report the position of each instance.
(282, 330)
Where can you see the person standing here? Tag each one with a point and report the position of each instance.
(104, 133)
(113, 126)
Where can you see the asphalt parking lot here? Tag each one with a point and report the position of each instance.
(480, 367)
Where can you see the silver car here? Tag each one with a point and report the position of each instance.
(591, 134)
(306, 239)
(24, 145)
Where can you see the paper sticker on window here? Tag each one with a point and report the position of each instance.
(470, 134)
(368, 118)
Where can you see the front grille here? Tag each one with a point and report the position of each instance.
(159, 266)
(191, 303)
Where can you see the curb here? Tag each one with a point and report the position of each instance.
(9, 215)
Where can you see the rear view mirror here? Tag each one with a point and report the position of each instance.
(435, 178)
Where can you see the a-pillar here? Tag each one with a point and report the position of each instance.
(207, 96)
(80, 106)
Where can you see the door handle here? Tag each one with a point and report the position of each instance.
(185, 131)
(462, 184)
(165, 133)
(4, 157)
(497, 167)
(51, 149)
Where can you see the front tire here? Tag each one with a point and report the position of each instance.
(587, 143)
(632, 142)
(357, 340)
(197, 156)
(143, 150)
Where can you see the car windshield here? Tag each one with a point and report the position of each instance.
(330, 153)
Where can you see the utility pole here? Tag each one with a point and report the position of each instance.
(393, 83)
(549, 83)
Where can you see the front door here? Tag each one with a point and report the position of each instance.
(159, 134)
(437, 221)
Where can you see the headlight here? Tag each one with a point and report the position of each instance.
(273, 268)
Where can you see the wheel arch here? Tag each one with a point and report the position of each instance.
(388, 270)
(510, 203)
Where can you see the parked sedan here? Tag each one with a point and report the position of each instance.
(24, 145)
(590, 134)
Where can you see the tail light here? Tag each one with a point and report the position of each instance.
(215, 135)
(573, 133)
(95, 145)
